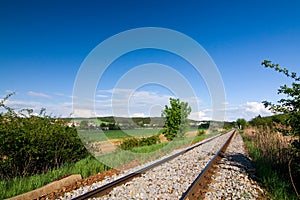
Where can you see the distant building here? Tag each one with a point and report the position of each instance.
(71, 124)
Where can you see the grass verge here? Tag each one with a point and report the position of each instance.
(16, 186)
(276, 183)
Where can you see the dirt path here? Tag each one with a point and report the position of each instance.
(104, 147)
(191, 134)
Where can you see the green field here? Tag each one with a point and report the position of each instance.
(98, 135)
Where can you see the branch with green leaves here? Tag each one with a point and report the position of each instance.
(290, 104)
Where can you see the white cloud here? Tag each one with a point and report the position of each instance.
(64, 95)
(192, 100)
(247, 110)
(18, 105)
(138, 115)
(84, 113)
(201, 115)
(102, 96)
(128, 102)
(226, 103)
(38, 94)
(257, 108)
(131, 103)
(57, 109)
(9, 91)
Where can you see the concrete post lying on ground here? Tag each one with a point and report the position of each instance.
(35, 194)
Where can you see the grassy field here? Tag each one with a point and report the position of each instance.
(90, 165)
(98, 135)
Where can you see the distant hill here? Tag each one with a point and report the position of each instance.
(158, 121)
(145, 121)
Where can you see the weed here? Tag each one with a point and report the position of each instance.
(16, 186)
(271, 152)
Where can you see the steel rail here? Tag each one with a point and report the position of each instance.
(197, 188)
(105, 189)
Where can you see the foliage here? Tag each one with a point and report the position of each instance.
(131, 123)
(31, 144)
(261, 121)
(290, 105)
(270, 153)
(113, 126)
(204, 125)
(242, 123)
(176, 115)
(200, 132)
(229, 125)
(137, 142)
(274, 122)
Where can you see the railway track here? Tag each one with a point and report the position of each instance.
(190, 188)
(198, 188)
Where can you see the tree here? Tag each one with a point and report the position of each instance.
(241, 123)
(176, 122)
(289, 106)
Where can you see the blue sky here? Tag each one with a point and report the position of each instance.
(43, 44)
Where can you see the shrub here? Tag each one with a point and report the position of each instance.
(200, 132)
(32, 144)
(136, 142)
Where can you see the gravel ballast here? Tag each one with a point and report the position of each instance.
(169, 180)
(234, 177)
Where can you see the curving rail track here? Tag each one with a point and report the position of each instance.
(194, 191)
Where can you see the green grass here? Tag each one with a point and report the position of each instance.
(149, 149)
(94, 135)
(194, 129)
(16, 186)
(133, 132)
(93, 120)
(278, 187)
(90, 165)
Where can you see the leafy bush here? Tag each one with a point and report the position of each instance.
(241, 123)
(136, 142)
(32, 144)
(204, 125)
(200, 132)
